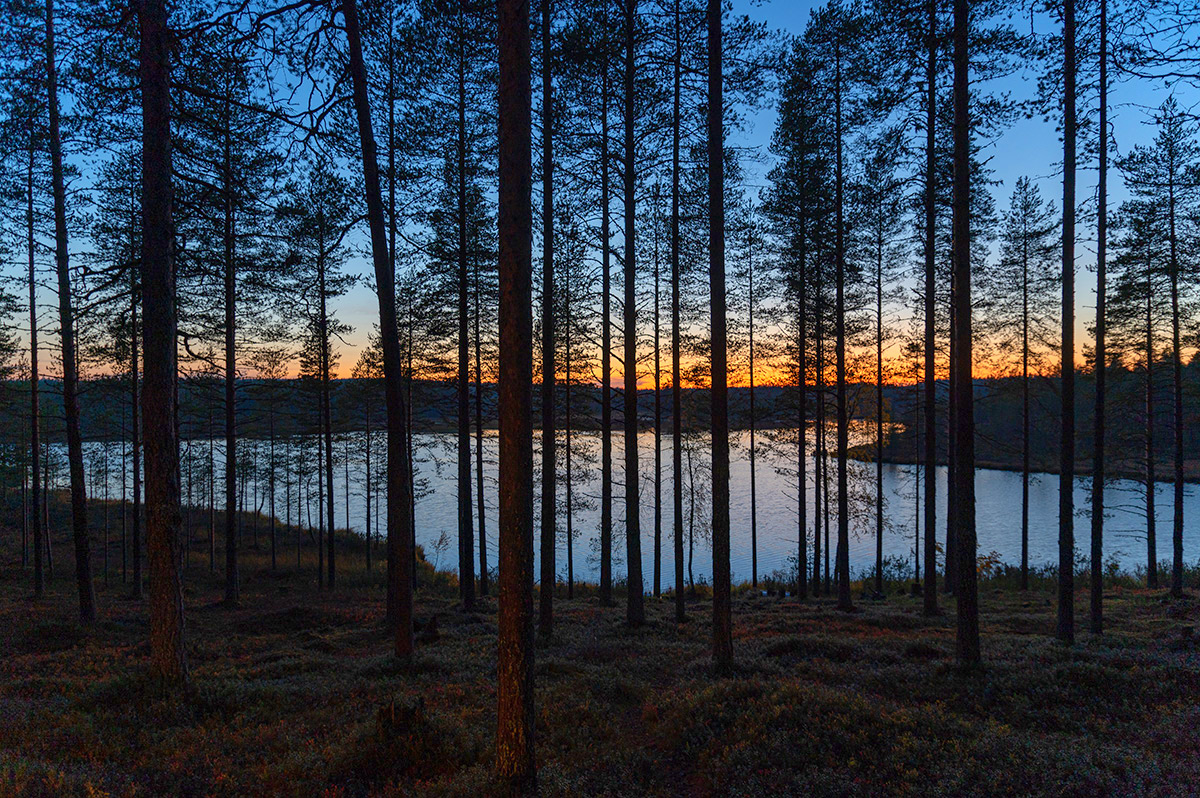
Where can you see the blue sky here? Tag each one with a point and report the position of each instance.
(1030, 147)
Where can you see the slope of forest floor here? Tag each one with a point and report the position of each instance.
(296, 694)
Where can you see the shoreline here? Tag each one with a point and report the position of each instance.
(1191, 473)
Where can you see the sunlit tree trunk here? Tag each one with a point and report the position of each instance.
(515, 766)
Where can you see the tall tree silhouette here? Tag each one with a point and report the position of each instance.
(929, 201)
(315, 217)
(722, 621)
(549, 512)
(1027, 246)
(635, 613)
(1066, 476)
(878, 210)
(399, 500)
(966, 589)
(1100, 363)
(676, 332)
(67, 338)
(1166, 176)
(606, 400)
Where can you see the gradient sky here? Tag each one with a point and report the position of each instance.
(1030, 147)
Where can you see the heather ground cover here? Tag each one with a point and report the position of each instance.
(296, 693)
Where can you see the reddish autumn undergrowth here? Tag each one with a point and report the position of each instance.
(295, 693)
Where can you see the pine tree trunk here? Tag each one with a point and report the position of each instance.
(722, 621)
(843, 424)
(966, 590)
(1066, 476)
(515, 765)
(70, 368)
(35, 451)
(819, 465)
(320, 472)
(549, 515)
(753, 463)
(1025, 418)
(635, 612)
(212, 494)
(1177, 415)
(399, 496)
(1097, 585)
(466, 537)
(326, 407)
(167, 655)
(232, 578)
(479, 502)
(367, 493)
(929, 588)
(270, 480)
(879, 416)
(676, 389)
(802, 388)
(1151, 523)
(569, 441)
(605, 355)
(657, 408)
(951, 580)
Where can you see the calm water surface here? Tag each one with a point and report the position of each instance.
(998, 504)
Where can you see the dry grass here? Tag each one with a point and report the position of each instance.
(295, 693)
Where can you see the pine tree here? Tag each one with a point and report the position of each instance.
(67, 338)
(1166, 176)
(315, 219)
(399, 505)
(1028, 240)
(167, 655)
(515, 765)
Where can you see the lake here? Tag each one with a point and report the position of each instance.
(998, 504)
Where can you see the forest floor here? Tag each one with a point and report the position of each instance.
(295, 693)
